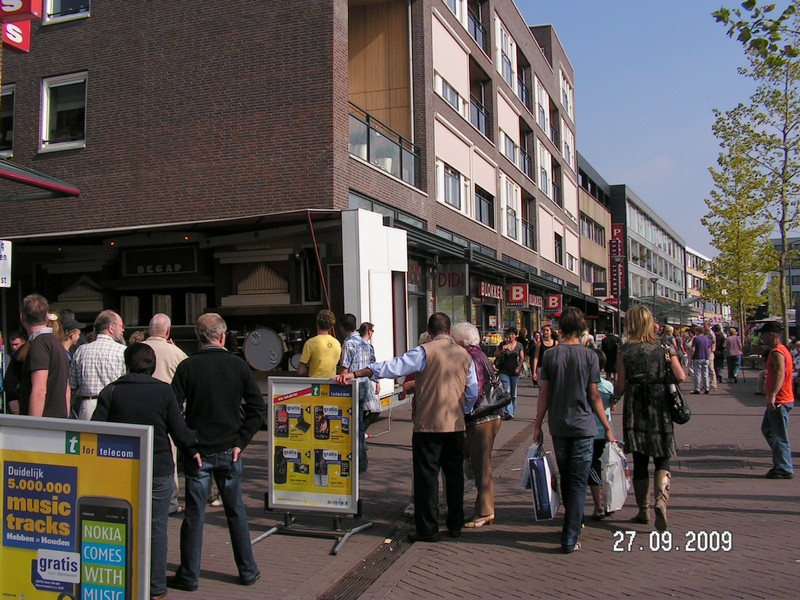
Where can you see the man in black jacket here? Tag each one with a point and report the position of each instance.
(225, 406)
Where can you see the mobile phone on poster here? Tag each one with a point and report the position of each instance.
(104, 540)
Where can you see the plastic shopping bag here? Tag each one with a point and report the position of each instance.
(525, 480)
(615, 476)
(544, 484)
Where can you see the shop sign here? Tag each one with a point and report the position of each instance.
(535, 301)
(617, 278)
(159, 261)
(452, 280)
(17, 35)
(415, 276)
(5, 264)
(554, 303)
(599, 288)
(490, 290)
(612, 301)
(518, 294)
(14, 11)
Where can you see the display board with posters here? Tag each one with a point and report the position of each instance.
(313, 447)
(76, 509)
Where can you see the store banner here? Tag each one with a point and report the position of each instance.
(17, 35)
(554, 303)
(313, 446)
(518, 294)
(453, 279)
(76, 509)
(13, 11)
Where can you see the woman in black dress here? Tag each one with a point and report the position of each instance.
(648, 430)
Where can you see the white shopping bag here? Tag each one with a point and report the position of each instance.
(525, 480)
(544, 485)
(615, 476)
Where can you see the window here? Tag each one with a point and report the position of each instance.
(512, 198)
(65, 10)
(64, 112)
(484, 207)
(593, 230)
(545, 164)
(572, 262)
(566, 95)
(452, 187)
(558, 248)
(542, 107)
(7, 120)
(511, 223)
(451, 95)
(508, 55)
(509, 148)
(569, 145)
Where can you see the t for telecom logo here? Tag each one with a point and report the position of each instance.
(73, 443)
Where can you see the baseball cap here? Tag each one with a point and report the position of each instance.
(69, 323)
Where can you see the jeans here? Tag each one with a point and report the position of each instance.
(574, 458)
(700, 366)
(228, 475)
(432, 452)
(363, 459)
(775, 427)
(162, 492)
(734, 363)
(510, 385)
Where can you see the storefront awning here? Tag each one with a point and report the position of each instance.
(55, 187)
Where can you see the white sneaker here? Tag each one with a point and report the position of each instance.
(217, 502)
(409, 511)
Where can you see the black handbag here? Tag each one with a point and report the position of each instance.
(492, 398)
(678, 406)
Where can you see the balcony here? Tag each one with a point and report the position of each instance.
(528, 235)
(380, 145)
(554, 136)
(523, 93)
(478, 116)
(476, 30)
(525, 163)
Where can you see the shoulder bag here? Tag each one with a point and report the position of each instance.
(678, 406)
(493, 396)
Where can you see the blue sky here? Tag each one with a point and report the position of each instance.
(647, 76)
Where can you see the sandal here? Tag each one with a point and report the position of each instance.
(480, 521)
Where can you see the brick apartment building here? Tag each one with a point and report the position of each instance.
(221, 151)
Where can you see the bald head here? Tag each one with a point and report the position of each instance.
(160, 325)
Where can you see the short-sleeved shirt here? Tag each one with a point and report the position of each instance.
(321, 353)
(700, 347)
(569, 369)
(46, 353)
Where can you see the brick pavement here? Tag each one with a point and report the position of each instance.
(718, 486)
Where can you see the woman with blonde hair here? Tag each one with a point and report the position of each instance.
(646, 420)
(481, 431)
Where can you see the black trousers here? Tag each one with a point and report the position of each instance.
(431, 453)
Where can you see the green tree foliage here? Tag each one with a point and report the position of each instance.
(764, 135)
(764, 30)
(736, 275)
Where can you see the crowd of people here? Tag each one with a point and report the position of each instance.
(210, 405)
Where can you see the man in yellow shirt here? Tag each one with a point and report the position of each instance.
(321, 353)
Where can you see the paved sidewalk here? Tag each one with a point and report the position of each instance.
(719, 496)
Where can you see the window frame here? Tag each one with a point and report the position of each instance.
(49, 18)
(48, 84)
(454, 177)
(9, 90)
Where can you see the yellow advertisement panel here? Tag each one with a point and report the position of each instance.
(74, 505)
(313, 446)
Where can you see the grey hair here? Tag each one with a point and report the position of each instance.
(159, 324)
(210, 327)
(424, 338)
(104, 320)
(466, 333)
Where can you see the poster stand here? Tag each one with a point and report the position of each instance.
(336, 532)
(313, 456)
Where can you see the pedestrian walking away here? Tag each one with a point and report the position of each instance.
(568, 392)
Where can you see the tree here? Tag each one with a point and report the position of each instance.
(765, 133)
(763, 30)
(736, 276)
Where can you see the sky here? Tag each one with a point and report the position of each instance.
(647, 77)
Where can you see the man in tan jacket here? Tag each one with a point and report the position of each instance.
(446, 389)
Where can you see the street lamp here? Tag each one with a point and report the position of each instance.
(655, 281)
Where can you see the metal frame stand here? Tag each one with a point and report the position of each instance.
(337, 533)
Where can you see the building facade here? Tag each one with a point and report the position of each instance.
(216, 154)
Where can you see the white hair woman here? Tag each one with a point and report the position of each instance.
(482, 431)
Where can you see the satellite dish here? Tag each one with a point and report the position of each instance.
(263, 349)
